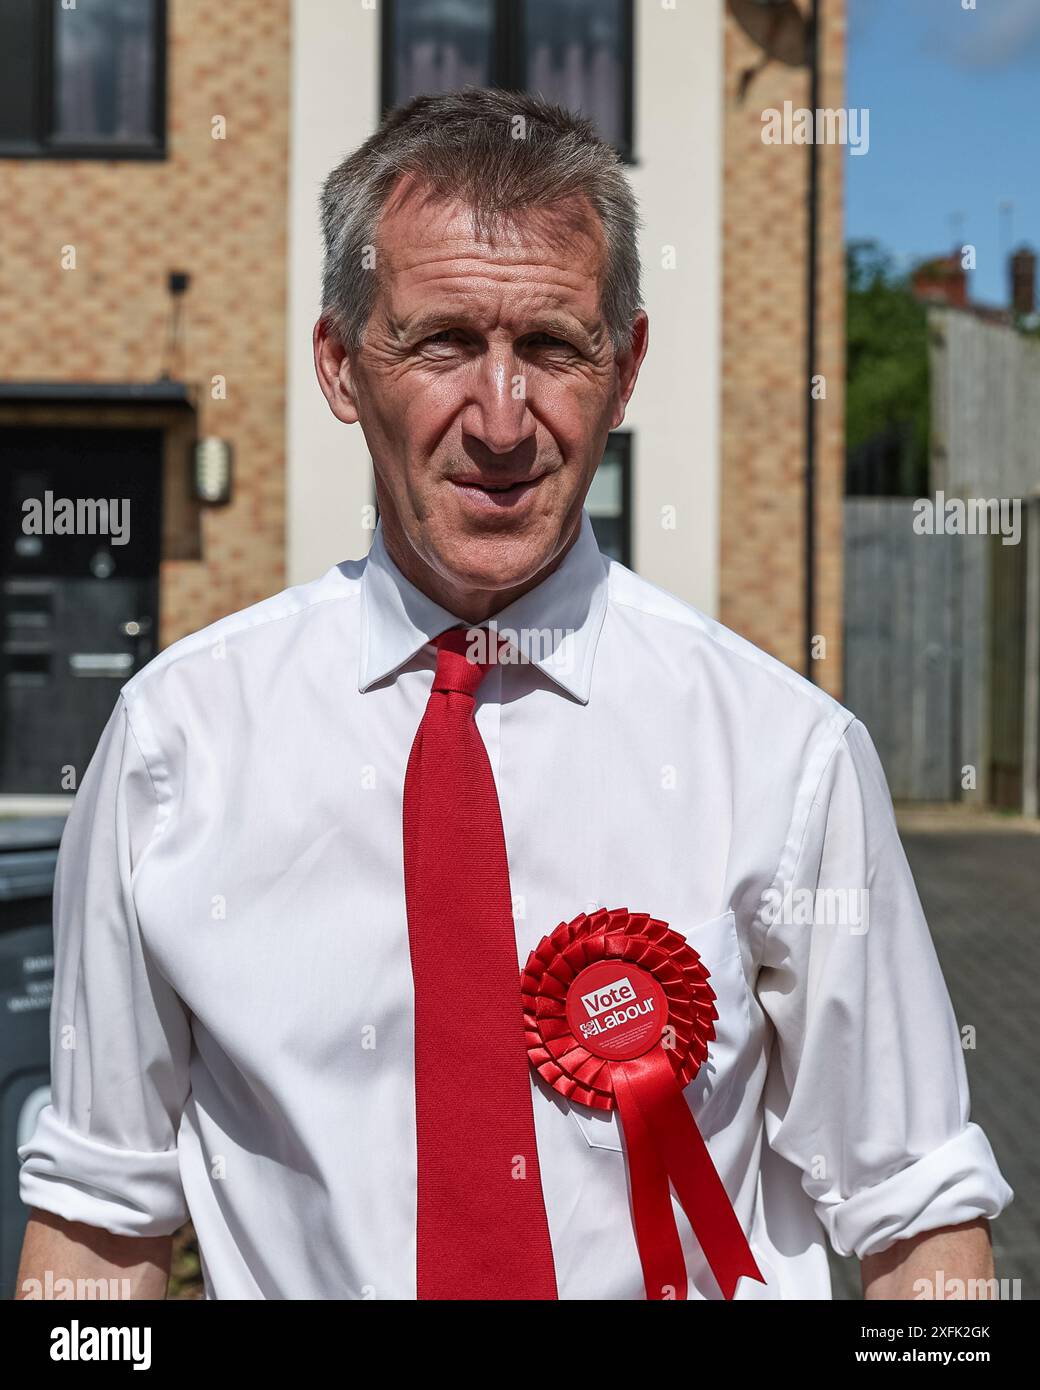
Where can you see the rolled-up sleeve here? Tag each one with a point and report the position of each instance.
(867, 1092)
(104, 1151)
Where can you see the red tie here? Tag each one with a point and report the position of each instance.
(481, 1232)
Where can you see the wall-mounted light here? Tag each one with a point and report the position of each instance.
(212, 471)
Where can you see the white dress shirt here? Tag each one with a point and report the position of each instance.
(232, 1034)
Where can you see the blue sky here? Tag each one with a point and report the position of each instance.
(954, 101)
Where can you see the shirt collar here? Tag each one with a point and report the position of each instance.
(556, 625)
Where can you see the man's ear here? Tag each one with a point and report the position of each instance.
(335, 373)
(629, 362)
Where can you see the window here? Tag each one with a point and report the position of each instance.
(609, 503)
(574, 52)
(84, 82)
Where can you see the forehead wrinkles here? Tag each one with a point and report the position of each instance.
(471, 277)
(486, 302)
(456, 281)
(425, 240)
(460, 263)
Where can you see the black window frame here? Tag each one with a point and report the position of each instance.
(43, 144)
(619, 442)
(508, 61)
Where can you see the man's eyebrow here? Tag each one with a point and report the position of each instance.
(435, 320)
(559, 327)
(422, 324)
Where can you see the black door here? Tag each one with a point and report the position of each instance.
(80, 591)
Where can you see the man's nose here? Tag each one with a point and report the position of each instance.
(497, 412)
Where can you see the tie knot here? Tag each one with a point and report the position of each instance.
(458, 668)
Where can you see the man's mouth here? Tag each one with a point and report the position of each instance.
(498, 492)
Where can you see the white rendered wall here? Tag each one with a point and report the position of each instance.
(335, 99)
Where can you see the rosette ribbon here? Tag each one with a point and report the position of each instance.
(618, 1013)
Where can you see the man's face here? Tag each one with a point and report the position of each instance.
(486, 387)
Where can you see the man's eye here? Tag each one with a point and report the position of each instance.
(446, 335)
(547, 340)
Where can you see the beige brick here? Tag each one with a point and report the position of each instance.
(763, 356)
(216, 209)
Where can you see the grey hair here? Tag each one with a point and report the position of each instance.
(500, 153)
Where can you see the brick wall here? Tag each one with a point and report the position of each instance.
(214, 208)
(763, 365)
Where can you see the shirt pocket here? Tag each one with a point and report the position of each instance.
(714, 1093)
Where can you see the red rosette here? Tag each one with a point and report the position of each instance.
(641, 940)
(618, 1012)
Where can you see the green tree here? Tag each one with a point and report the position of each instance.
(887, 393)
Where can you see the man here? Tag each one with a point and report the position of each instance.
(319, 840)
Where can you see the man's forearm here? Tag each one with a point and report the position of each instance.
(55, 1249)
(923, 1266)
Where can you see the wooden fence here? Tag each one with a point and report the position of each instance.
(937, 655)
